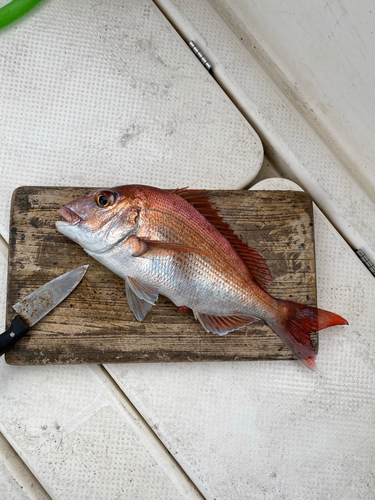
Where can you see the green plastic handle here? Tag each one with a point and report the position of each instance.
(15, 9)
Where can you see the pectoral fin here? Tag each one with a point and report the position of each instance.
(148, 249)
(141, 297)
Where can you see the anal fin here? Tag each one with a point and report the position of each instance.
(141, 297)
(223, 324)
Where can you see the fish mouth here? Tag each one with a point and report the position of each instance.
(71, 218)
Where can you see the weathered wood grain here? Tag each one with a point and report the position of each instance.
(95, 325)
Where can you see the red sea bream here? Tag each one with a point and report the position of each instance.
(176, 245)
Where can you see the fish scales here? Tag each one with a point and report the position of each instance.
(176, 221)
(176, 244)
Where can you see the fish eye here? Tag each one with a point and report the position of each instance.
(105, 199)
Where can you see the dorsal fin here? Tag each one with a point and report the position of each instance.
(256, 265)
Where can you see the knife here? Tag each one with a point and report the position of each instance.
(38, 303)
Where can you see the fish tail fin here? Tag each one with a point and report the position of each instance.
(295, 325)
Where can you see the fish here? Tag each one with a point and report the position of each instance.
(176, 244)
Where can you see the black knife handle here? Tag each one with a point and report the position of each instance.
(16, 330)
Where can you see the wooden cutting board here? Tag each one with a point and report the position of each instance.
(95, 325)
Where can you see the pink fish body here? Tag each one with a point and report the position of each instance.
(176, 245)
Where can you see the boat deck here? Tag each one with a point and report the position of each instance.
(109, 93)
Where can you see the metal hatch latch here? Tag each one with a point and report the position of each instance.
(370, 266)
(203, 59)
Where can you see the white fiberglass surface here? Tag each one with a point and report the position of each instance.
(289, 139)
(274, 429)
(321, 55)
(105, 94)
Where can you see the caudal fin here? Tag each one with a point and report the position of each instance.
(296, 324)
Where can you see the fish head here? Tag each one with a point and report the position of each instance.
(99, 220)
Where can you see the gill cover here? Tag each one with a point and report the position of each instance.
(99, 220)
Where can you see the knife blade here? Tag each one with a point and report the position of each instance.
(38, 303)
